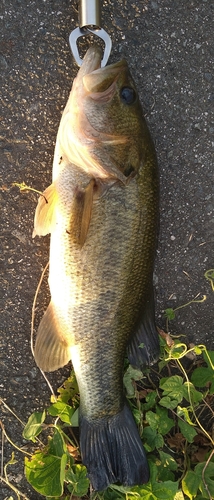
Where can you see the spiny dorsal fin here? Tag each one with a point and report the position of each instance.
(44, 218)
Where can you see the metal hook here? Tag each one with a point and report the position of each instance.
(90, 23)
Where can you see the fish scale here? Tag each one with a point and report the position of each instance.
(102, 214)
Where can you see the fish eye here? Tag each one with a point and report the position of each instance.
(128, 95)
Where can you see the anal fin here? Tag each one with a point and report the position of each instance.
(52, 346)
(146, 334)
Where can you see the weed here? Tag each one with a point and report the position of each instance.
(169, 415)
(172, 406)
(209, 275)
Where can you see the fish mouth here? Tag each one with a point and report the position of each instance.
(92, 61)
(99, 82)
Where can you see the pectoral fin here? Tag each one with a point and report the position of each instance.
(86, 211)
(44, 219)
(52, 347)
(81, 213)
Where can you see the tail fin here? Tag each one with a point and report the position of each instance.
(112, 450)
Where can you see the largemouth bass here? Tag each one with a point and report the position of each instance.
(102, 211)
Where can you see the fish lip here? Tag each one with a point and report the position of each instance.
(92, 61)
(114, 68)
(93, 81)
(91, 74)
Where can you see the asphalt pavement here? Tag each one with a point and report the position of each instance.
(170, 50)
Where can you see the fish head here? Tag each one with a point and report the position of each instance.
(106, 118)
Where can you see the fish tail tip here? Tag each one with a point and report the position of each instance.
(112, 451)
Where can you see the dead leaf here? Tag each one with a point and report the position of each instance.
(201, 440)
(142, 393)
(166, 336)
(200, 454)
(176, 441)
(73, 451)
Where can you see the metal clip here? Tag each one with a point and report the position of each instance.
(89, 23)
(89, 13)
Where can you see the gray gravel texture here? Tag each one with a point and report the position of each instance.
(169, 46)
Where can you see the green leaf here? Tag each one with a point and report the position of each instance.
(208, 473)
(165, 475)
(130, 375)
(75, 418)
(150, 400)
(61, 410)
(56, 444)
(173, 383)
(202, 375)
(177, 350)
(157, 491)
(124, 490)
(179, 496)
(168, 461)
(34, 426)
(162, 364)
(152, 419)
(159, 420)
(67, 497)
(46, 473)
(78, 483)
(144, 492)
(169, 313)
(191, 394)
(169, 403)
(69, 389)
(152, 439)
(200, 497)
(165, 423)
(209, 358)
(190, 484)
(46, 470)
(184, 412)
(187, 430)
(172, 388)
(110, 494)
(165, 490)
(137, 414)
(197, 350)
(166, 464)
(153, 469)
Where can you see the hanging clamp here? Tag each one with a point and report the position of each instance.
(89, 23)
